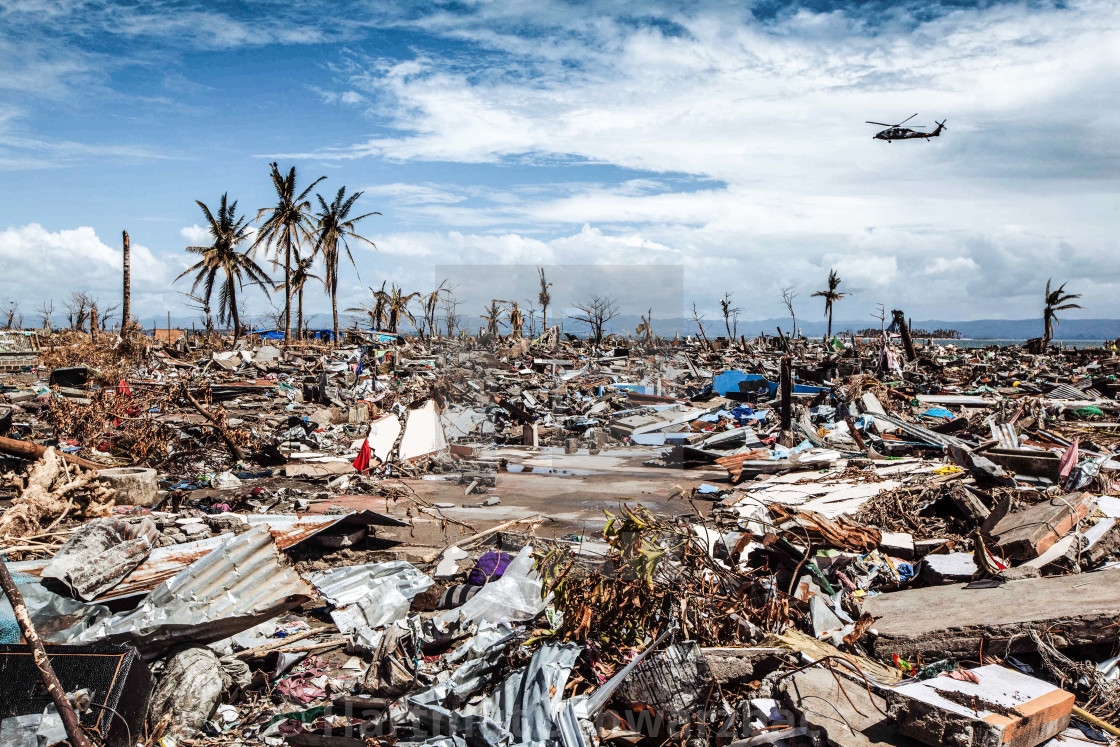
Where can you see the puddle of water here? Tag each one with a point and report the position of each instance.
(556, 471)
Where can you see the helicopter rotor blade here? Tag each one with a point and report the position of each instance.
(881, 124)
(907, 119)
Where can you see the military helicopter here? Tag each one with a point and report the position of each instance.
(898, 132)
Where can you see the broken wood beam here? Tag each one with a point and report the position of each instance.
(42, 662)
(785, 386)
(33, 451)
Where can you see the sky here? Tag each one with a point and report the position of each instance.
(724, 141)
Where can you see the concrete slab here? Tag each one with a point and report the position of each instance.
(849, 715)
(1004, 708)
(943, 621)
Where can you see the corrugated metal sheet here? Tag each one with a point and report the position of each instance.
(165, 562)
(348, 584)
(240, 584)
(1065, 391)
(925, 435)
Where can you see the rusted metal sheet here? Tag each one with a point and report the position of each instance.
(842, 533)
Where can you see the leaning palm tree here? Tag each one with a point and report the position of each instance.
(286, 226)
(222, 260)
(1056, 300)
(492, 317)
(300, 275)
(335, 227)
(830, 296)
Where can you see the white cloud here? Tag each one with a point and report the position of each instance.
(1023, 184)
(415, 194)
(41, 265)
(196, 235)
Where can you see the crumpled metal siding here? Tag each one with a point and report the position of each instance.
(165, 562)
(348, 584)
(236, 586)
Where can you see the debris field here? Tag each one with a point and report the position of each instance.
(458, 543)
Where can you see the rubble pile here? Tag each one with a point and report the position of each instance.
(458, 543)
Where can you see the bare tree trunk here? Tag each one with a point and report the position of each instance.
(785, 387)
(288, 289)
(334, 316)
(126, 311)
(829, 335)
(233, 307)
(299, 317)
(93, 325)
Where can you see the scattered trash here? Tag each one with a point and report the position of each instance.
(403, 540)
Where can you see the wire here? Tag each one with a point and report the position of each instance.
(127, 731)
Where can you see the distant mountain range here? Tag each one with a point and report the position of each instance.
(990, 329)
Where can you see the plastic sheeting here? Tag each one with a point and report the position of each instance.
(515, 597)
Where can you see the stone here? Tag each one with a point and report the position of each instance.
(956, 620)
(844, 710)
(134, 486)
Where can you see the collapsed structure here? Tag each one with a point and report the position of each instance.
(767, 541)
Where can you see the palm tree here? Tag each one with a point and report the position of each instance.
(830, 297)
(1056, 301)
(397, 308)
(335, 227)
(376, 310)
(544, 298)
(300, 275)
(221, 259)
(287, 226)
(428, 305)
(645, 329)
(492, 317)
(516, 319)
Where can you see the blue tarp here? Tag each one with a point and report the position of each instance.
(278, 334)
(729, 381)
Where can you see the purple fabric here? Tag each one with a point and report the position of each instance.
(489, 567)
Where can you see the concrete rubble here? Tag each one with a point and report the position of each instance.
(504, 541)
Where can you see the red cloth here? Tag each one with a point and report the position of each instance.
(362, 462)
(123, 389)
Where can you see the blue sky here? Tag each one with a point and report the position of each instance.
(725, 138)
